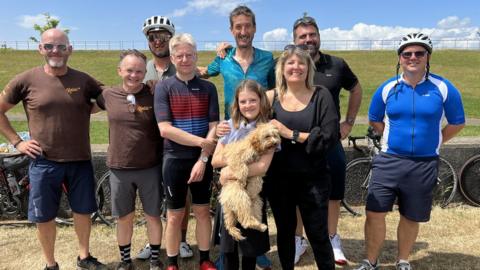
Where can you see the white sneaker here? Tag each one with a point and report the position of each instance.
(337, 250)
(145, 253)
(300, 247)
(185, 250)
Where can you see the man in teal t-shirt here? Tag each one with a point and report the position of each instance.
(244, 61)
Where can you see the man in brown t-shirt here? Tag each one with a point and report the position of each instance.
(57, 102)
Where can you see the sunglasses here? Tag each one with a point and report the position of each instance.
(132, 105)
(418, 54)
(293, 47)
(49, 47)
(306, 20)
(160, 37)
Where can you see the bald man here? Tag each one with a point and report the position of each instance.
(57, 102)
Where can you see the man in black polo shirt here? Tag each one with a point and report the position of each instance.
(335, 74)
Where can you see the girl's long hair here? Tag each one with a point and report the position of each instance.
(264, 114)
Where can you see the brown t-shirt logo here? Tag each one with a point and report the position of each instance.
(71, 90)
(142, 109)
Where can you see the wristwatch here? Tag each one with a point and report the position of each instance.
(295, 136)
(350, 121)
(204, 159)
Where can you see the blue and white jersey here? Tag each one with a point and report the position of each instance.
(413, 116)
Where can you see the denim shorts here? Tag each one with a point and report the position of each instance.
(48, 179)
(409, 180)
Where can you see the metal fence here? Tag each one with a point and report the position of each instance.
(460, 44)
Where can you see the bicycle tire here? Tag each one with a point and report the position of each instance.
(65, 213)
(103, 197)
(357, 178)
(447, 181)
(470, 180)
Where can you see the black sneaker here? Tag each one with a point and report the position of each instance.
(55, 267)
(125, 266)
(156, 265)
(90, 263)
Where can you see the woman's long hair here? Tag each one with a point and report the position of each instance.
(304, 56)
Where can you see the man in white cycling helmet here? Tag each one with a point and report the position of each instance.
(158, 30)
(408, 110)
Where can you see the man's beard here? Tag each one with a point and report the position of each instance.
(161, 54)
(56, 64)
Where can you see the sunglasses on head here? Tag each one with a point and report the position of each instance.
(50, 47)
(418, 54)
(293, 47)
(160, 37)
(306, 20)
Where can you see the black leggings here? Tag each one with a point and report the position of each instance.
(231, 262)
(310, 191)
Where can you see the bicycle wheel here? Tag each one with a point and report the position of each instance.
(64, 214)
(446, 187)
(470, 180)
(357, 178)
(103, 195)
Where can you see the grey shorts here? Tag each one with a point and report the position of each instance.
(124, 185)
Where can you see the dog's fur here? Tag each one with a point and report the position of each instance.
(240, 199)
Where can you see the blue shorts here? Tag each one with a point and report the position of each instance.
(46, 179)
(410, 180)
(337, 164)
(176, 173)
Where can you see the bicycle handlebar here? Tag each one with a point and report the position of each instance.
(371, 134)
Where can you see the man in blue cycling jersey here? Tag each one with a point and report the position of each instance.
(408, 109)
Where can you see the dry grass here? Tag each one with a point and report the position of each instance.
(449, 241)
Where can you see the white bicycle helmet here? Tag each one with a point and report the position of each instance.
(156, 23)
(415, 39)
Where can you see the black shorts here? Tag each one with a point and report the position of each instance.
(410, 180)
(176, 173)
(337, 164)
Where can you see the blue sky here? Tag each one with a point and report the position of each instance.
(207, 20)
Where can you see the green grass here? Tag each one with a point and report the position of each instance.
(98, 131)
(372, 68)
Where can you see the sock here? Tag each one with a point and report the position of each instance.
(172, 260)
(184, 235)
(204, 255)
(155, 252)
(125, 253)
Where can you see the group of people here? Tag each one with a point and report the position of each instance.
(166, 136)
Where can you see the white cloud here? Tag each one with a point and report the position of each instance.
(276, 39)
(27, 21)
(221, 7)
(453, 22)
(370, 36)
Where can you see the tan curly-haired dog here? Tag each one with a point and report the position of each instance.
(240, 199)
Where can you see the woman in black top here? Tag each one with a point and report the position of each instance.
(298, 175)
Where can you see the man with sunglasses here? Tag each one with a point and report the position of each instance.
(333, 73)
(57, 102)
(408, 109)
(159, 30)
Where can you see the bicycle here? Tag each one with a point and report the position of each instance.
(103, 196)
(470, 180)
(359, 170)
(15, 187)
